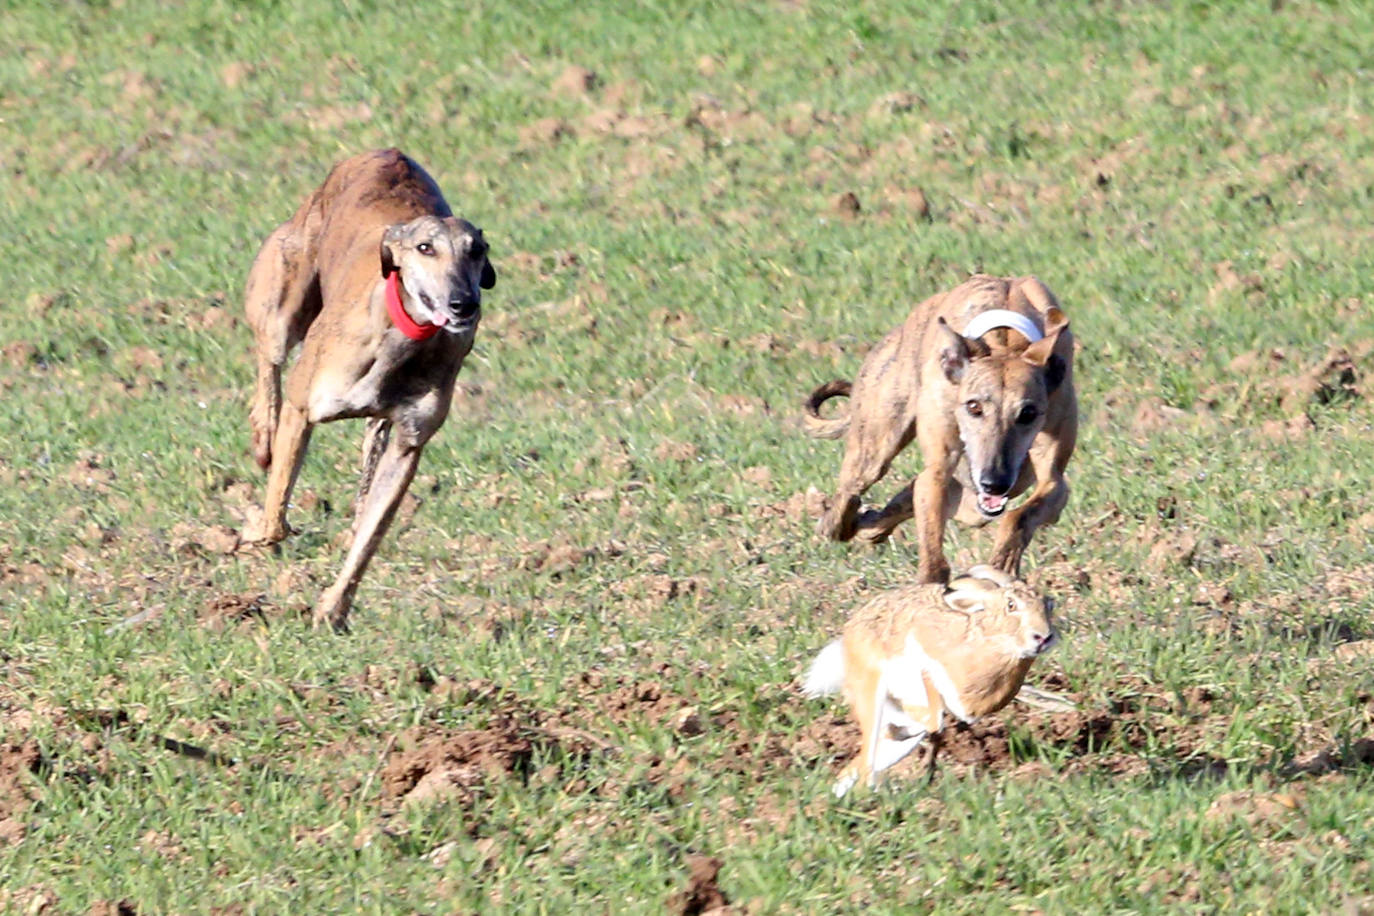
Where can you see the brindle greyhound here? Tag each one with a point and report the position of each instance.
(982, 378)
(381, 285)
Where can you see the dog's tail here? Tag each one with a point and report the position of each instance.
(826, 674)
(819, 426)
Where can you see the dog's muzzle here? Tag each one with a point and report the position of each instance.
(990, 506)
(464, 316)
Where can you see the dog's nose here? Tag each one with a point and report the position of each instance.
(993, 484)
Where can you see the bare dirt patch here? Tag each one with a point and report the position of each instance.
(702, 894)
(430, 764)
(454, 765)
(229, 610)
(19, 761)
(112, 908)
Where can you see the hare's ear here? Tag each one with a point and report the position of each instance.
(996, 576)
(964, 602)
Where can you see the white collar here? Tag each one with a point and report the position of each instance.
(1002, 318)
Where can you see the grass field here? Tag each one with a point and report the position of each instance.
(572, 663)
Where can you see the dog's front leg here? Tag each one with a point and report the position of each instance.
(1016, 528)
(288, 451)
(375, 441)
(1048, 457)
(393, 474)
(929, 495)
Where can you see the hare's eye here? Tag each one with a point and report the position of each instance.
(425, 248)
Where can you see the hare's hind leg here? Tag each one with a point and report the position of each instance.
(898, 734)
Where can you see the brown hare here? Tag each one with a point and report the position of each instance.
(909, 656)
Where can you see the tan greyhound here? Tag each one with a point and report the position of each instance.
(381, 285)
(982, 378)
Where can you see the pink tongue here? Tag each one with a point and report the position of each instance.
(440, 319)
(992, 503)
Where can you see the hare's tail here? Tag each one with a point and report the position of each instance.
(826, 674)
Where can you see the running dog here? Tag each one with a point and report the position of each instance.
(381, 286)
(982, 378)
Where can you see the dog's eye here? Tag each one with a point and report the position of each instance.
(425, 248)
(1027, 415)
(974, 408)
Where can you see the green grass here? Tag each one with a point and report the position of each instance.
(612, 526)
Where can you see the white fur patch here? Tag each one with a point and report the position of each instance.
(1002, 318)
(826, 674)
(892, 750)
(905, 681)
(917, 657)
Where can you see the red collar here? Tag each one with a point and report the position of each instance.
(404, 323)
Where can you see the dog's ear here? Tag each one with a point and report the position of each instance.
(390, 238)
(488, 274)
(1055, 321)
(1041, 353)
(954, 352)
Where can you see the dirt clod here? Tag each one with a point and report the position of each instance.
(847, 204)
(18, 761)
(702, 894)
(575, 80)
(112, 908)
(226, 610)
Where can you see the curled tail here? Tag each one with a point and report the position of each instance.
(826, 674)
(819, 426)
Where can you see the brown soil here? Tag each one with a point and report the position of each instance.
(112, 908)
(702, 895)
(454, 764)
(446, 764)
(18, 762)
(224, 611)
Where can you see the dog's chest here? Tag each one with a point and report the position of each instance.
(399, 378)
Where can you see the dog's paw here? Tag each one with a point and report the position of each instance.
(837, 523)
(331, 611)
(1008, 561)
(259, 531)
(872, 527)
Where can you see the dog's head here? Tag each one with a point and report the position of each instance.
(1000, 404)
(444, 268)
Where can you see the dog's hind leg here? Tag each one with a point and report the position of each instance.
(289, 445)
(393, 472)
(866, 460)
(877, 525)
(280, 300)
